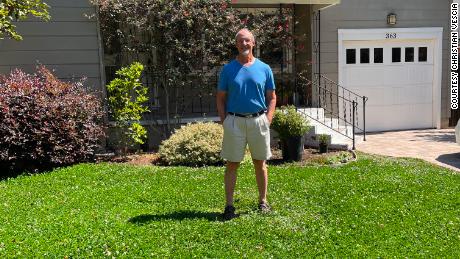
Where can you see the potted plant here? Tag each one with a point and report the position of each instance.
(323, 140)
(291, 127)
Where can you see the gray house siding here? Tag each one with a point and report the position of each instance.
(68, 43)
(366, 14)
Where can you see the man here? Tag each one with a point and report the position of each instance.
(246, 103)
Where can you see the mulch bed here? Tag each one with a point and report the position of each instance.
(312, 156)
(309, 157)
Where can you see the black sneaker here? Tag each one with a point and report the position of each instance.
(264, 207)
(229, 213)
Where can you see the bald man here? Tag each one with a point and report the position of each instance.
(246, 103)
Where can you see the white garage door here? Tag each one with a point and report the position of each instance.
(396, 76)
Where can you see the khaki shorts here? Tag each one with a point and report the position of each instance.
(239, 132)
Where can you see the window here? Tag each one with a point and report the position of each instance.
(351, 56)
(422, 54)
(364, 56)
(409, 54)
(396, 54)
(378, 55)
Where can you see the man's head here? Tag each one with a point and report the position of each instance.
(245, 42)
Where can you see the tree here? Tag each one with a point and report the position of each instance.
(127, 96)
(184, 36)
(16, 10)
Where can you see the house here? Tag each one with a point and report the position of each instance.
(69, 43)
(394, 53)
(403, 68)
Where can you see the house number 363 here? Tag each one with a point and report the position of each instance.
(390, 35)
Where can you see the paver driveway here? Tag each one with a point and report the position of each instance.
(434, 145)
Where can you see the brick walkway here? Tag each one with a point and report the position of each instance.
(434, 145)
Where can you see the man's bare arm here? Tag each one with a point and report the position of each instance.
(221, 100)
(270, 98)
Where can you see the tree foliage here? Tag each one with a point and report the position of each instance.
(180, 38)
(16, 10)
(126, 98)
(185, 35)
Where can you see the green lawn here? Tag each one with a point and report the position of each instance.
(374, 207)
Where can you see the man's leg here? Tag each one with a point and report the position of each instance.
(261, 178)
(259, 145)
(230, 181)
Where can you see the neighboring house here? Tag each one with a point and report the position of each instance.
(68, 43)
(403, 68)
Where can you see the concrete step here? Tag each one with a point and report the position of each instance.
(323, 125)
(338, 141)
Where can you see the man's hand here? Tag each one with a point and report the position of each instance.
(270, 98)
(221, 99)
(270, 118)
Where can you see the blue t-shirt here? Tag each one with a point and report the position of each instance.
(246, 86)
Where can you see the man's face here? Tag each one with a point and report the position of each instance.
(244, 43)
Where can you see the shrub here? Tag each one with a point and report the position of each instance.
(46, 122)
(323, 138)
(197, 144)
(126, 98)
(289, 123)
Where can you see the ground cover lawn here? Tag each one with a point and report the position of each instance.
(377, 207)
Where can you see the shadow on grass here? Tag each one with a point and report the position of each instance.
(277, 161)
(179, 215)
(11, 171)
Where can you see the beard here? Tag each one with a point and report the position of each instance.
(245, 52)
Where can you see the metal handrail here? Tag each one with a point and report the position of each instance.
(339, 86)
(325, 91)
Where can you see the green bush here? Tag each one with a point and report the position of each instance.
(323, 138)
(289, 123)
(197, 144)
(127, 96)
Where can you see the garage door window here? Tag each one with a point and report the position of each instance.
(409, 55)
(364, 56)
(378, 55)
(396, 55)
(422, 54)
(351, 56)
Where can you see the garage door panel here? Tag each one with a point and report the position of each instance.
(421, 74)
(383, 118)
(409, 95)
(408, 116)
(412, 94)
(395, 74)
(363, 76)
(374, 91)
(424, 93)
